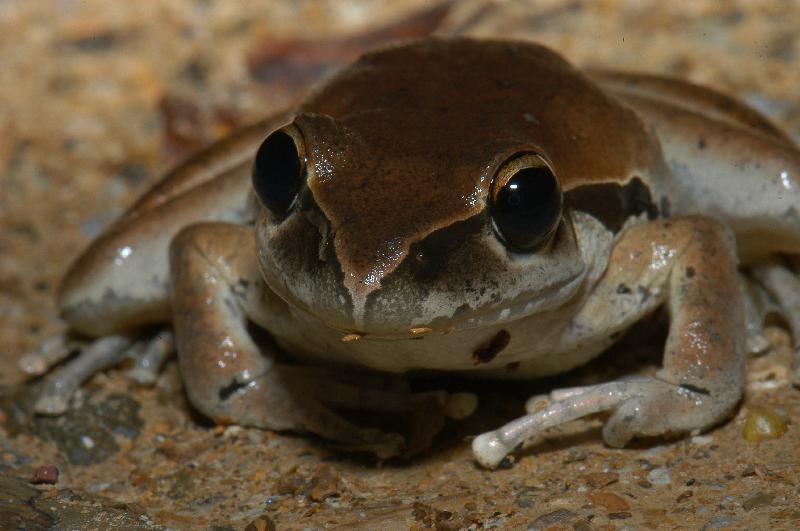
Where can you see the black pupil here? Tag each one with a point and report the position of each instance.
(527, 208)
(276, 172)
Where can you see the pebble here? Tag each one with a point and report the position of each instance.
(702, 440)
(659, 476)
(262, 523)
(759, 500)
(45, 475)
(551, 519)
(325, 483)
(719, 522)
(763, 424)
(599, 480)
(609, 501)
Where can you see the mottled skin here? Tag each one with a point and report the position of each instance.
(389, 259)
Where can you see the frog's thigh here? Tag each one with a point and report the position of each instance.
(703, 370)
(122, 280)
(216, 288)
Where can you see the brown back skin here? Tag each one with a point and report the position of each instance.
(417, 132)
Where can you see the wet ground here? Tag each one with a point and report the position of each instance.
(96, 100)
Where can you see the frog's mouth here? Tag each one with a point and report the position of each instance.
(457, 278)
(463, 318)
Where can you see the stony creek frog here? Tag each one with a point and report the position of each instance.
(452, 205)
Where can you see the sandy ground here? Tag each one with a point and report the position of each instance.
(96, 100)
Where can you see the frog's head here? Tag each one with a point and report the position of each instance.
(428, 186)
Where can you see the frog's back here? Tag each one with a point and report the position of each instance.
(728, 160)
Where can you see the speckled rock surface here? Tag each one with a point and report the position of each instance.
(96, 99)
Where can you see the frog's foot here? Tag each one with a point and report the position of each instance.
(148, 355)
(61, 384)
(288, 398)
(784, 285)
(303, 399)
(641, 407)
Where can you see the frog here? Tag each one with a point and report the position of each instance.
(451, 206)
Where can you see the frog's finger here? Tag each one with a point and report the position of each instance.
(492, 447)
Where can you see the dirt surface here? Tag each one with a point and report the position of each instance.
(99, 98)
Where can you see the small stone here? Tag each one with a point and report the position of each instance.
(290, 483)
(763, 424)
(575, 455)
(598, 480)
(262, 523)
(659, 476)
(684, 496)
(720, 521)
(609, 501)
(581, 525)
(45, 475)
(527, 497)
(436, 519)
(551, 519)
(702, 440)
(325, 483)
(759, 500)
(622, 515)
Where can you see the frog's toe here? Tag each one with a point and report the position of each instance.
(148, 356)
(61, 384)
(48, 354)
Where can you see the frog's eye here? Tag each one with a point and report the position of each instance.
(525, 203)
(278, 170)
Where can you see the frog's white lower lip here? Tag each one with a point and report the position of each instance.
(522, 306)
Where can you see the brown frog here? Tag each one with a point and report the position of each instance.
(459, 205)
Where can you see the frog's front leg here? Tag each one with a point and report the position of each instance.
(702, 377)
(217, 289)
